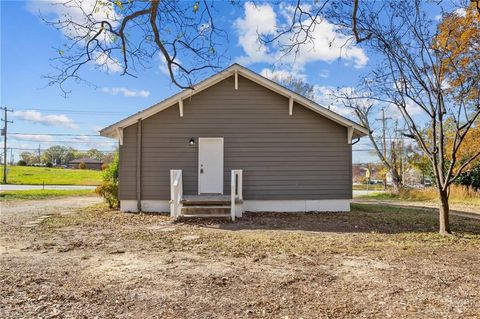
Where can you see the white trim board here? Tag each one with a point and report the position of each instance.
(234, 69)
(292, 206)
(287, 206)
(150, 206)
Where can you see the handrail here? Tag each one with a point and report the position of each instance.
(236, 190)
(176, 193)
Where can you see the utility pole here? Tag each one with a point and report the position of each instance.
(4, 133)
(384, 143)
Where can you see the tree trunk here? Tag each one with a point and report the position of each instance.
(396, 181)
(444, 211)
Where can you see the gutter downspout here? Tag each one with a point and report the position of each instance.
(139, 165)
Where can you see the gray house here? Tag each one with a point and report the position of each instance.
(236, 142)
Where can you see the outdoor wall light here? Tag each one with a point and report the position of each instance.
(191, 142)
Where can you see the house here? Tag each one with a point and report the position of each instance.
(90, 163)
(236, 142)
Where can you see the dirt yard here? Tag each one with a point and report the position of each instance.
(68, 261)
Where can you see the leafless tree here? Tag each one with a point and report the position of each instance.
(295, 84)
(126, 36)
(412, 76)
(365, 111)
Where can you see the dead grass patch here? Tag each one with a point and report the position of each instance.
(376, 261)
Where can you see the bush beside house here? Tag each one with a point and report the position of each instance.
(109, 187)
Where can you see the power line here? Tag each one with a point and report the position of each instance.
(72, 111)
(57, 134)
(44, 149)
(70, 141)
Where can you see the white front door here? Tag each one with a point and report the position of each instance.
(210, 165)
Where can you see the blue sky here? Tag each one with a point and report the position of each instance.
(27, 45)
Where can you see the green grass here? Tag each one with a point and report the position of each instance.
(51, 176)
(43, 194)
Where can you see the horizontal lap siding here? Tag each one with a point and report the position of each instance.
(303, 156)
(127, 165)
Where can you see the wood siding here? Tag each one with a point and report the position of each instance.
(303, 156)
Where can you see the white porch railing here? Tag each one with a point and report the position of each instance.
(236, 192)
(176, 193)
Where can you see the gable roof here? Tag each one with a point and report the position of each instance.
(113, 130)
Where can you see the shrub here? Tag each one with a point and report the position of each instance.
(109, 191)
(109, 187)
(471, 178)
(22, 163)
(49, 164)
(457, 192)
(82, 165)
(104, 166)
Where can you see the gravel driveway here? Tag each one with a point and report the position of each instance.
(27, 209)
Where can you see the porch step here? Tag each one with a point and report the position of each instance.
(207, 200)
(205, 210)
(207, 216)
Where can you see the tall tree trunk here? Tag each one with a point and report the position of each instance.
(396, 180)
(444, 211)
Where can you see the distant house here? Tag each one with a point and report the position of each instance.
(236, 142)
(90, 163)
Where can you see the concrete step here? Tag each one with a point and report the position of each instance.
(206, 210)
(206, 216)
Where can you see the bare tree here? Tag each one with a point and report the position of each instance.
(430, 75)
(295, 84)
(421, 78)
(125, 36)
(365, 110)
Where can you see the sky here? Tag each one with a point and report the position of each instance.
(28, 45)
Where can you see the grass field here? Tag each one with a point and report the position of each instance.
(43, 194)
(51, 176)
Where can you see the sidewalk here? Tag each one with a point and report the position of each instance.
(13, 187)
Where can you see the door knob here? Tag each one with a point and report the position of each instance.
(201, 170)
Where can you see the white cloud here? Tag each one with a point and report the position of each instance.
(76, 12)
(281, 74)
(34, 138)
(126, 92)
(106, 63)
(461, 12)
(412, 109)
(164, 67)
(47, 120)
(327, 43)
(259, 19)
(83, 17)
(324, 73)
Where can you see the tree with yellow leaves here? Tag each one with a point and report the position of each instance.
(431, 73)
